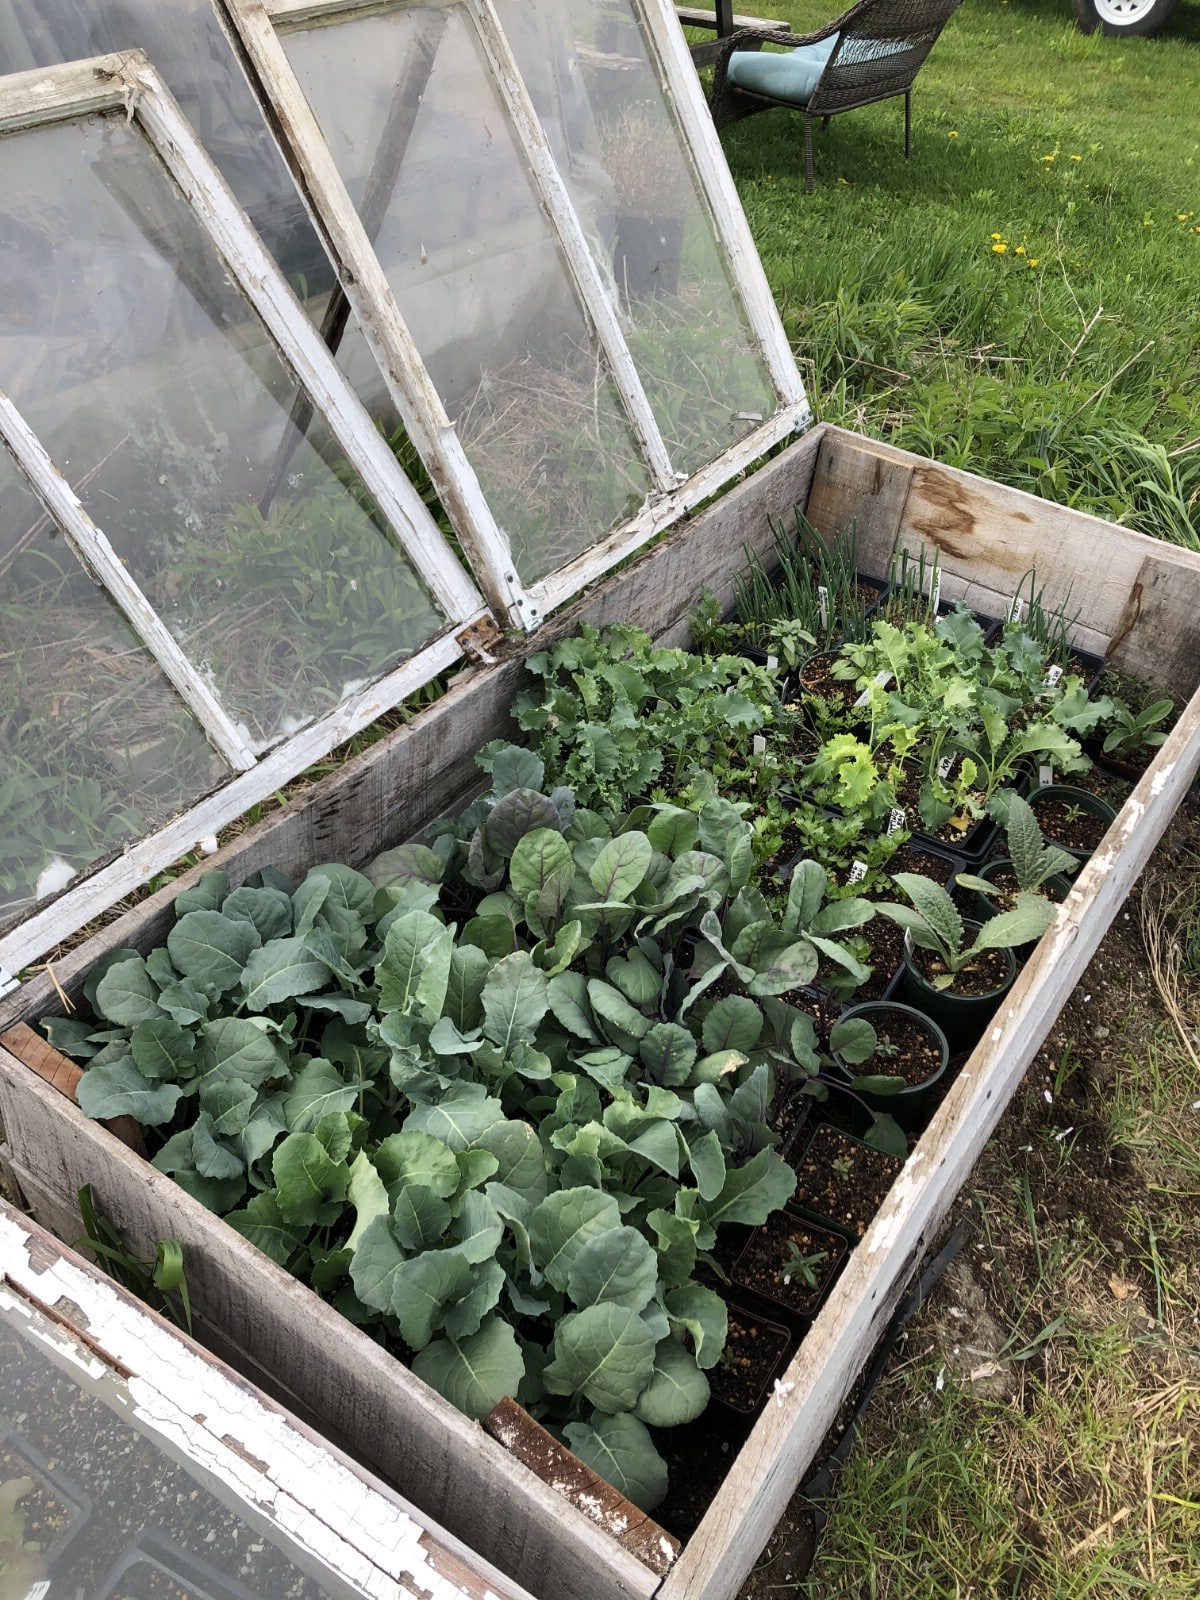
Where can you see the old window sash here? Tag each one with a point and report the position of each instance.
(128, 83)
(258, 25)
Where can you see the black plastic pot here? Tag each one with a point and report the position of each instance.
(911, 1105)
(762, 1267)
(843, 1202)
(756, 1351)
(1090, 804)
(76, 1504)
(1056, 889)
(961, 1017)
(154, 1559)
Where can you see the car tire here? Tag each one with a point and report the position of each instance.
(1119, 18)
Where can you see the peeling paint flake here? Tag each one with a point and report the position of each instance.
(1159, 781)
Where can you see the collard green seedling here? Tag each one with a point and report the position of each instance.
(933, 923)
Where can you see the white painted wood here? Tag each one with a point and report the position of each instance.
(100, 559)
(260, 1461)
(733, 231)
(299, 342)
(653, 519)
(47, 928)
(50, 94)
(565, 221)
(365, 285)
(720, 1554)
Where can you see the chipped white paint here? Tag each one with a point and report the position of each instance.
(903, 1194)
(1159, 781)
(371, 1538)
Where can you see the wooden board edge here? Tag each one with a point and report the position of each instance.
(719, 1556)
(40, 1056)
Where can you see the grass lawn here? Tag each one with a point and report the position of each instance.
(1023, 300)
(1023, 297)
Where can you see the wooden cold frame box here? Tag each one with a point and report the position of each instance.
(1138, 600)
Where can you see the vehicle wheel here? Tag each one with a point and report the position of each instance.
(1119, 17)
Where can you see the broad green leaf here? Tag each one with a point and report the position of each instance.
(229, 1105)
(605, 1353)
(126, 994)
(71, 1035)
(841, 957)
(185, 1002)
(567, 993)
(637, 979)
(317, 1091)
(212, 948)
(516, 767)
(377, 1260)
(206, 894)
(97, 972)
(162, 1049)
(266, 1227)
(840, 915)
(668, 1053)
(270, 911)
(658, 1143)
(622, 1452)
(515, 999)
(213, 1159)
(235, 1047)
(521, 1158)
(733, 1023)
(336, 1133)
(541, 860)
(520, 812)
(558, 956)
(406, 864)
(368, 1194)
(494, 937)
(347, 888)
(676, 1243)
(463, 1005)
(678, 1391)
(853, 1039)
(478, 1228)
(618, 1266)
(281, 971)
(701, 1314)
(806, 890)
(306, 1177)
(621, 866)
(751, 1192)
(465, 1316)
(419, 1217)
(412, 1157)
(707, 1161)
(414, 973)
(1028, 920)
(673, 830)
(782, 970)
(463, 1114)
(475, 1168)
(118, 1089)
(611, 1004)
(935, 906)
(563, 1223)
(474, 1373)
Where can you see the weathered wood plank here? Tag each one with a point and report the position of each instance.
(55, 1069)
(435, 1456)
(1158, 634)
(855, 483)
(721, 1553)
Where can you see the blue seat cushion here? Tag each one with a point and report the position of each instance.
(792, 76)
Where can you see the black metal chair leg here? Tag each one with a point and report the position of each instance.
(809, 176)
(908, 124)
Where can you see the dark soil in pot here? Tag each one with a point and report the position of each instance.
(886, 940)
(792, 1262)
(698, 1455)
(917, 1047)
(790, 1112)
(756, 1351)
(842, 1181)
(986, 974)
(1066, 818)
(52, 1513)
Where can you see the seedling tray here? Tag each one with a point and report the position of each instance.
(1138, 601)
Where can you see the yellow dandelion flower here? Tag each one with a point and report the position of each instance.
(996, 236)
(1076, 158)
(953, 134)
(1047, 158)
(1020, 250)
(999, 248)
(1033, 261)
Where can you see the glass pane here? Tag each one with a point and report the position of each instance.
(589, 71)
(423, 144)
(184, 40)
(95, 746)
(155, 389)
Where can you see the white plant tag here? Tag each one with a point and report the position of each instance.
(823, 604)
(882, 679)
(772, 663)
(858, 871)
(1018, 609)
(759, 745)
(1053, 674)
(935, 590)
(895, 819)
(1045, 775)
(39, 1590)
(946, 765)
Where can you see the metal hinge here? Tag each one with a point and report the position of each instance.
(477, 640)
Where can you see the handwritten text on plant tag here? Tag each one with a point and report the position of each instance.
(858, 871)
(895, 819)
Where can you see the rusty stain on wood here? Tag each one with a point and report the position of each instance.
(62, 1074)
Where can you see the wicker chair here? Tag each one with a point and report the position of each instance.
(871, 52)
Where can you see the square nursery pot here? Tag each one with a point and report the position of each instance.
(756, 1354)
(54, 1509)
(840, 1181)
(771, 1267)
(155, 1568)
(1137, 600)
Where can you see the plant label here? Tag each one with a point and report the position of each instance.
(39, 1591)
(935, 590)
(946, 765)
(772, 663)
(823, 604)
(1053, 674)
(1018, 609)
(1045, 775)
(882, 679)
(759, 745)
(895, 819)
(858, 871)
